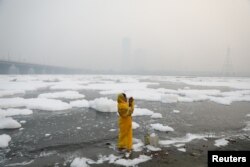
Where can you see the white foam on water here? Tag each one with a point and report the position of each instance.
(46, 104)
(22, 86)
(132, 162)
(4, 140)
(137, 145)
(194, 92)
(103, 104)
(34, 103)
(192, 95)
(81, 162)
(12, 102)
(188, 138)
(144, 94)
(235, 93)
(110, 92)
(14, 111)
(64, 94)
(182, 149)
(185, 95)
(67, 85)
(103, 158)
(156, 115)
(135, 125)
(111, 159)
(11, 92)
(9, 123)
(179, 145)
(152, 148)
(176, 111)
(221, 100)
(160, 127)
(142, 111)
(133, 87)
(120, 86)
(185, 99)
(47, 135)
(169, 98)
(46, 154)
(23, 122)
(227, 100)
(180, 95)
(237, 83)
(221, 142)
(140, 91)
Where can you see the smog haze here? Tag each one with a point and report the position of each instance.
(128, 35)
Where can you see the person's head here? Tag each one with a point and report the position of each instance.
(122, 98)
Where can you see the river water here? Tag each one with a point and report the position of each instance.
(55, 138)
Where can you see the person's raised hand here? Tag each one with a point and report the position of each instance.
(130, 101)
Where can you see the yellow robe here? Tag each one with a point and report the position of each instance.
(125, 123)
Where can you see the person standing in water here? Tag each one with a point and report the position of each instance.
(125, 110)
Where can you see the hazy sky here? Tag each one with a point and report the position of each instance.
(180, 35)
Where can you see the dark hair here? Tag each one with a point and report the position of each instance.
(124, 95)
